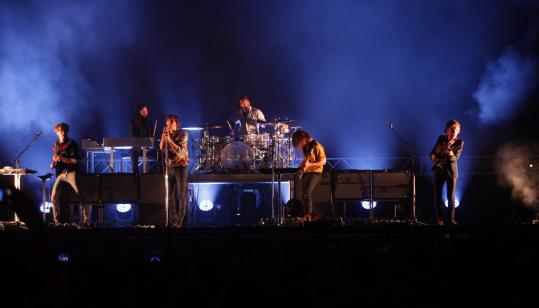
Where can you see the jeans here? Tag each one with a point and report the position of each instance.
(177, 183)
(303, 190)
(57, 213)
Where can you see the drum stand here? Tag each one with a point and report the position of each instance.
(44, 179)
(280, 208)
(166, 184)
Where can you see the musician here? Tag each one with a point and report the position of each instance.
(445, 155)
(174, 144)
(310, 169)
(248, 118)
(65, 158)
(139, 127)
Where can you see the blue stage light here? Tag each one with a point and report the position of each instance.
(155, 259)
(367, 204)
(457, 203)
(63, 258)
(47, 209)
(205, 205)
(123, 207)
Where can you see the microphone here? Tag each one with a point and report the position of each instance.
(38, 134)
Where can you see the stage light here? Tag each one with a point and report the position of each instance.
(457, 203)
(63, 258)
(123, 207)
(205, 205)
(155, 259)
(367, 204)
(47, 209)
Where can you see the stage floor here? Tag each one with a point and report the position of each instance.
(315, 266)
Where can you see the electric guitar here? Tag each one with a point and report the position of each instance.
(301, 167)
(55, 153)
(440, 155)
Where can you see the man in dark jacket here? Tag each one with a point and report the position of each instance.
(445, 155)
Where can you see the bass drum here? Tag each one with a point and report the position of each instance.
(238, 156)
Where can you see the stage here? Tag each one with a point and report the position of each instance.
(315, 265)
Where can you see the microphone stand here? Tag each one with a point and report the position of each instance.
(414, 159)
(17, 160)
(166, 183)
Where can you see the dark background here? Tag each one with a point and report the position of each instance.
(343, 69)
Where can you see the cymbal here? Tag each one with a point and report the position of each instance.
(279, 122)
(193, 128)
(203, 127)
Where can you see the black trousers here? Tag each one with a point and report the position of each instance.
(177, 186)
(303, 190)
(441, 177)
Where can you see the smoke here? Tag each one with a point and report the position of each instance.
(513, 166)
(42, 47)
(505, 84)
(509, 79)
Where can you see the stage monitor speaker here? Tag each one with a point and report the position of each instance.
(322, 197)
(391, 184)
(152, 188)
(351, 184)
(89, 187)
(120, 188)
(151, 214)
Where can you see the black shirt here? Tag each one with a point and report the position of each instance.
(139, 127)
(447, 163)
(68, 149)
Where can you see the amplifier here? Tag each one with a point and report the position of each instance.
(351, 184)
(391, 184)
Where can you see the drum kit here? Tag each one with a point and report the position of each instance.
(244, 153)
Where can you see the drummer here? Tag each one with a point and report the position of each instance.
(247, 119)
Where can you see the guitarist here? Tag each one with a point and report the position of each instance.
(65, 159)
(310, 169)
(445, 155)
(174, 141)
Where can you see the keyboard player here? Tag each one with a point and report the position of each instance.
(139, 127)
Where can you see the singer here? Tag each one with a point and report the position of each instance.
(139, 127)
(65, 159)
(174, 144)
(444, 156)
